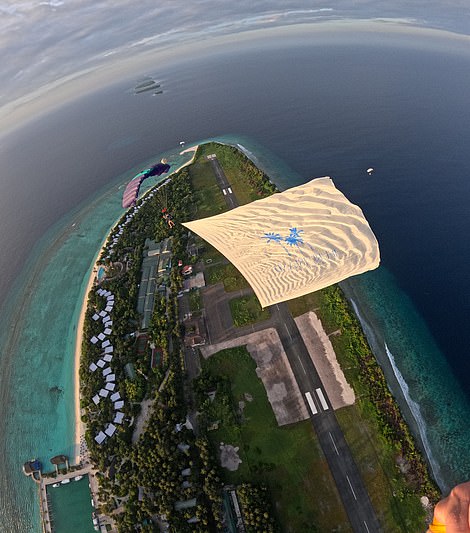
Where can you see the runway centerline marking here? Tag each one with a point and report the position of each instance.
(351, 487)
(367, 527)
(288, 332)
(334, 443)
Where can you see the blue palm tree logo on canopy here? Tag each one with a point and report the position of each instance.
(293, 239)
(272, 237)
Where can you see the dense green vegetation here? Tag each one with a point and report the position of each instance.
(255, 500)
(228, 275)
(195, 301)
(287, 460)
(247, 310)
(248, 182)
(143, 481)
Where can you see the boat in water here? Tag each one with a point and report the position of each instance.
(78, 478)
(65, 481)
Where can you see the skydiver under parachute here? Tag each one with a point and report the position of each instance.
(160, 194)
(168, 218)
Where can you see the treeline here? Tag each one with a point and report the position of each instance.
(387, 412)
(257, 512)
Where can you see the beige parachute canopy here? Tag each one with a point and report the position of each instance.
(294, 242)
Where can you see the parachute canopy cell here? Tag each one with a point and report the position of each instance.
(295, 242)
(131, 192)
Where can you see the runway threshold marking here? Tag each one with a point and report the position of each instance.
(230, 190)
(311, 403)
(322, 399)
(351, 487)
(334, 443)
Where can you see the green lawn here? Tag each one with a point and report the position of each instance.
(208, 198)
(210, 253)
(398, 509)
(303, 304)
(228, 274)
(288, 459)
(195, 300)
(232, 166)
(247, 310)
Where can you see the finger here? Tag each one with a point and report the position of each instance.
(441, 510)
(454, 511)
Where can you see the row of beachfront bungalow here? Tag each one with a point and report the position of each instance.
(130, 215)
(108, 432)
(106, 357)
(106, 345)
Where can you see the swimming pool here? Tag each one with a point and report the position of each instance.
(101, 273)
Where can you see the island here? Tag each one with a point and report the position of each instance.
(199, 410)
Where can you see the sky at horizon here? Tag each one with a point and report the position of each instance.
(45, 43)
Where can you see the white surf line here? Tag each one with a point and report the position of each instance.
(311, 403)
(322, 399)
(367, 527)
(351, 487)
(334, 443)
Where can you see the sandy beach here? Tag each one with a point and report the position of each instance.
(79, 425)
(295, 242)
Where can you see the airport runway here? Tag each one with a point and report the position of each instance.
(348, 480)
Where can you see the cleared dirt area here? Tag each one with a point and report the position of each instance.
(323, 356)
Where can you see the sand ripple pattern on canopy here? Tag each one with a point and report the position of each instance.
(294, 242)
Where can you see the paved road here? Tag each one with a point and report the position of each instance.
(343, 468)
(348, 480)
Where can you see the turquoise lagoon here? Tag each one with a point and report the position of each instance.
(37, 341)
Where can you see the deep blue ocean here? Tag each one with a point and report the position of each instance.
(307, 107)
